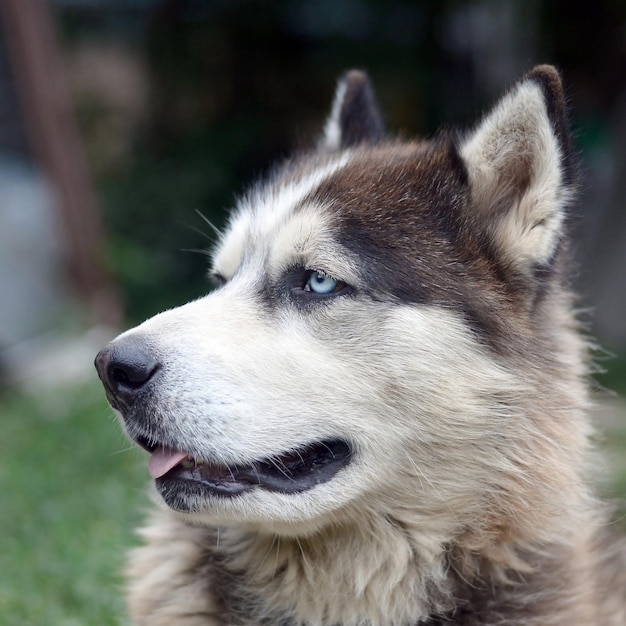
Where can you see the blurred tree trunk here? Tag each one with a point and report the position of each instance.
(54, 139)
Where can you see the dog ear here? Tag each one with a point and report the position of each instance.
(520, 168)
(355, 117)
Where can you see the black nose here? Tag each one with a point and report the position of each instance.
(125, 367)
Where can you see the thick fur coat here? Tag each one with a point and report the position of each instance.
(379, 417)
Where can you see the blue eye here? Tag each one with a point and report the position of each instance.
(320, 283)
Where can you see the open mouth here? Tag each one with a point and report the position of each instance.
(292, 472)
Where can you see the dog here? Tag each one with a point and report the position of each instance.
(380, 415)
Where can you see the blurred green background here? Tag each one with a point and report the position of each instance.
(180, 106)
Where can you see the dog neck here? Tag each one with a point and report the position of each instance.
(380, 571)
(385, 573)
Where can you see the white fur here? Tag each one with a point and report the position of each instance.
(263, 212)
(515, 138)
(332, 129)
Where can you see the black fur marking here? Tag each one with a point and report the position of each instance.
(404, 217)
(450, 141)
(550, 82)
(360, 119)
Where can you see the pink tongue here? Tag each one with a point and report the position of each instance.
(163, 460)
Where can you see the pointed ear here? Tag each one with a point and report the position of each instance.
(521, 170)
(355, 117)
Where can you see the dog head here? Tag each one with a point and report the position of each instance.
(385, 311)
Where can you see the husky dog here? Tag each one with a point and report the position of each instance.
(379, 417)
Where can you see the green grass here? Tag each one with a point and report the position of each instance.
(71, 495)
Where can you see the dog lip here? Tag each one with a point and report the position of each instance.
(293, 472)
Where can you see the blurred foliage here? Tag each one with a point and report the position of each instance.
(612, 373)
